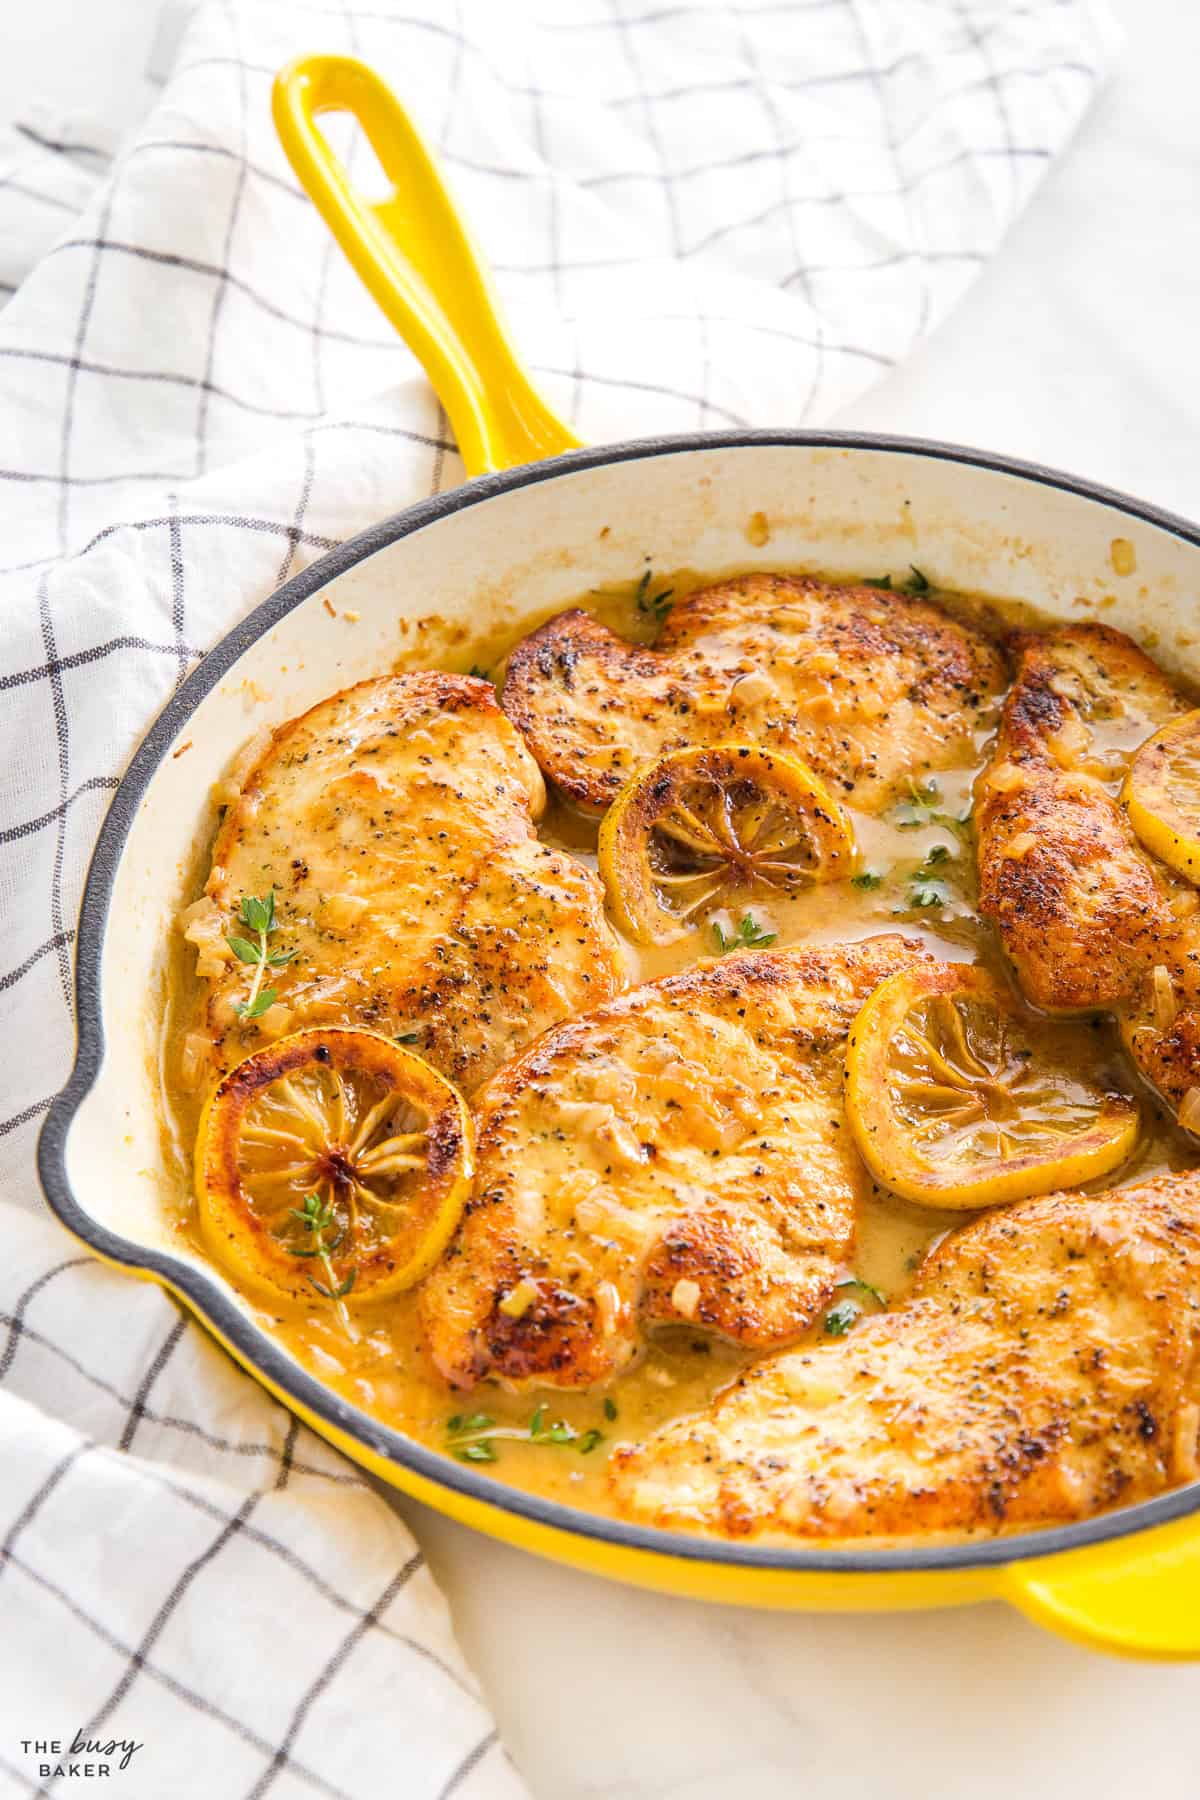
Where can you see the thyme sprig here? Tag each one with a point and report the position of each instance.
(917, 583)
(315, 1217)
(257, 914)
(655, 606)
(471, 1437)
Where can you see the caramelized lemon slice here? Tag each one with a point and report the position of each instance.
(1162, 794)
(959, 1098)
(708, 822)
(332, 1164)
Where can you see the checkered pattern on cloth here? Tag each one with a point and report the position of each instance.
(700, 215)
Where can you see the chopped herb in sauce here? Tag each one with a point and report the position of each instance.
(748, 936)
(859, 1297)
(840, 1318)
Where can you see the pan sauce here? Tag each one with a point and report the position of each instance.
(386, 1373)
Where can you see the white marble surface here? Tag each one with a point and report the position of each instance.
(1078, 347)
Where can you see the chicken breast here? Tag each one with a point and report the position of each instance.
(678, 1156)
(1046, 1366)
(866, 686)
(1089, 917)
(395, 823)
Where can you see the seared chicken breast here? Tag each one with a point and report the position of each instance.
(679, 1156)
(1045, 1366)
(1089, 917)
(866, 686)
(395, 823)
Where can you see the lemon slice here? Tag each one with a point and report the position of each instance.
(711, 821)
(332, 1165)
(1162, 794)
(959, 1098)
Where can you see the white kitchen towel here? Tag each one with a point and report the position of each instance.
(701, 215)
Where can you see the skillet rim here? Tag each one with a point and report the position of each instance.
(216, 1306)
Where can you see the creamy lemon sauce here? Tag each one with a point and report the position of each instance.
(922, 853)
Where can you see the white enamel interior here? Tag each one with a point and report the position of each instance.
(516, 555)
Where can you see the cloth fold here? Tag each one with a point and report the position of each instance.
(700, 215)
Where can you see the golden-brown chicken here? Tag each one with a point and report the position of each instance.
(678, 1156)
(866, 686)
(1045, 1366)
(1089, 917)
(394, 821)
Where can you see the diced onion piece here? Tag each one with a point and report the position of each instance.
(518, 1300)
(685, 1298)
(1166, 1005)
(1005, 777)
(342, 911)
(204, 926)
(748, 690)
(1189, 1110)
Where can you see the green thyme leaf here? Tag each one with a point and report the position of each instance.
(589, 1440)
(243, 949)
(610, 1407)
(473, 1422)
(258, 914)
(916, 583)
(255, 1008)
(866, 878)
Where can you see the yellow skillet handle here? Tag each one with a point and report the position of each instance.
(415, 256)
(1135, 1596)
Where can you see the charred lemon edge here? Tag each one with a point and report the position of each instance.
(1160, 824)
(232, 1230)
(634, 812)
(1093, 1152)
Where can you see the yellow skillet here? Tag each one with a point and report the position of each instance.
(1137, 1591)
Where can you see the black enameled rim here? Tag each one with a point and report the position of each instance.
(216, 1304)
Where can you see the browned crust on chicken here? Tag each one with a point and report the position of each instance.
(395, 822)
(1078, 902)
(679, 1155)
(868, 687)
(1089, 917)
(1045, 1367)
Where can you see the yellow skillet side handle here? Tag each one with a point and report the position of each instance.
(1136, 1596)
(416, 258)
